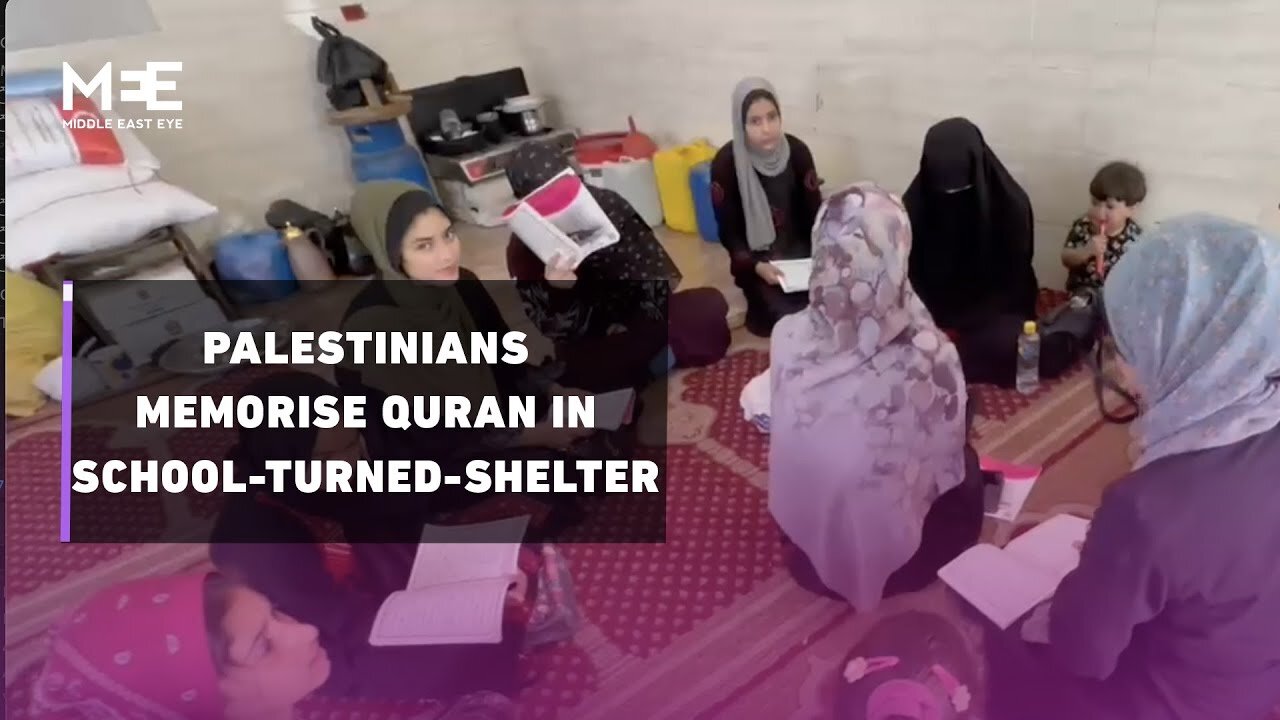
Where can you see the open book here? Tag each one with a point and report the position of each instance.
(457, 589)
(1005, 584)
(562, 218)
(795, 274)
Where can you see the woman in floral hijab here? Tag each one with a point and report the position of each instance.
(869, 413)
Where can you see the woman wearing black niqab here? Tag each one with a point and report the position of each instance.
(972, 228)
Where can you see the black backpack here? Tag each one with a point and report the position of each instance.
(1079, 327)
(1070, 332)
(342, 62)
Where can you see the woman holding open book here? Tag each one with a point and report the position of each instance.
(871, 477)
(1174, 608)
(612, 317)
(765, 190)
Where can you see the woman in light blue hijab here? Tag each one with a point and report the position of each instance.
(1174, 609)
(1197, 323)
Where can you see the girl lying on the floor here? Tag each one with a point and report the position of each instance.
(201, 646)
(267, 540)
(870, 472)
(289, 568)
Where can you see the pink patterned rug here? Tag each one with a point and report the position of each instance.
(707, 625)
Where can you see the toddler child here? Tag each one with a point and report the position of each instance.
(1100, 238)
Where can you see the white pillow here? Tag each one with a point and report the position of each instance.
(29, 193)
(100, 221)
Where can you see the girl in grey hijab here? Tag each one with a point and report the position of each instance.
(766, 198)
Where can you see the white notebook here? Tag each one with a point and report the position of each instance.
(457, 589)
(1005, 584)
(795, 274)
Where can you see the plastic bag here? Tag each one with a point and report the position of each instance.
(37, 138)
(555, 616)
(342, 62)
(756, 402)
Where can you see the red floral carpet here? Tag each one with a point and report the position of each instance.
(707, 625)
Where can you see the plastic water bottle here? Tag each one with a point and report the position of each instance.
(1027, 381)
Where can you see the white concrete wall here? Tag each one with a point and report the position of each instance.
(254, 117)
(1189, 89)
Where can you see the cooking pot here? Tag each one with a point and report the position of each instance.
(525, 114)
(490, 126)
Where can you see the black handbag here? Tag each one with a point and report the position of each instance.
(1078, 327)
(342, 62)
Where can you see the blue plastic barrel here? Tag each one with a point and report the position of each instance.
(403, 163)
(377, 137)
(253, 267)
(703, 208)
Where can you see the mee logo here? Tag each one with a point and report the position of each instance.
(144, 86)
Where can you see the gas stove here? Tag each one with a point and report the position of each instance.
(474, 187)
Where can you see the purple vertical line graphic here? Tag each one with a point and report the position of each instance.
(68, 361)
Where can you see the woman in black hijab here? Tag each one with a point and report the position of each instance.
(613, 317)
(972, 230)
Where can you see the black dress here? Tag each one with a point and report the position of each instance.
(972, 246)
(794, 198)
(972, 232)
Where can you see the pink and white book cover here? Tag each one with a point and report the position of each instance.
(1016, 484)
(561, 220)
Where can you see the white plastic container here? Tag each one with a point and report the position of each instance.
(634, 180)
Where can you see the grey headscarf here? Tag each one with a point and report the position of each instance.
(748, 161)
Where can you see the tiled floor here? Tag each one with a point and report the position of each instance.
(702, 263)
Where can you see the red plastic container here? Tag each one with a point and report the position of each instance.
(602, 148)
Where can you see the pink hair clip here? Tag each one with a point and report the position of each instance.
(958, 693)
(859, 667)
